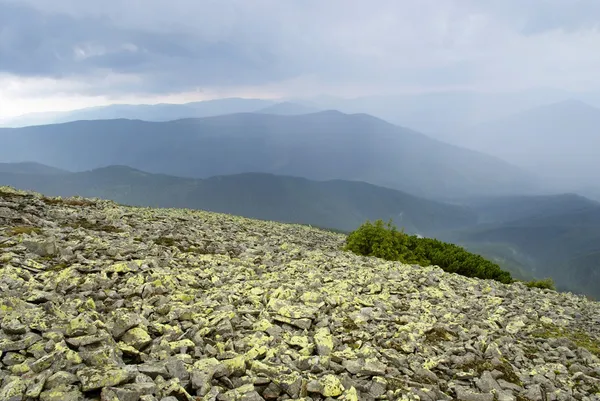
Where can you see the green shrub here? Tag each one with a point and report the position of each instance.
(547, 283)
(383, 240)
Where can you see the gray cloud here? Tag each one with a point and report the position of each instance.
(37, 43)
(176, 45)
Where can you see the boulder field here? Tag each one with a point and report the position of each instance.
(100, 301)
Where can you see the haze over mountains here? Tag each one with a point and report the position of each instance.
(551, 236)
(558, 142)
(146, 112)
(322, 146)
(547, 133)
(440, 114)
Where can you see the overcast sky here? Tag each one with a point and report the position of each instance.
(64, 54)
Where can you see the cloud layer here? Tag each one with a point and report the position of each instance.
(162, 47)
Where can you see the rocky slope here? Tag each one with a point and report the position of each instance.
(101, 301)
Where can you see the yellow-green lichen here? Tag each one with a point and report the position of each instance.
(579, 337)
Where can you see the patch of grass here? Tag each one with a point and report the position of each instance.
(437, 335)
(88, 225)
(395, 383)
(349, 324)
(480, 366)
(580, 338)
(8, 195)
(530, 352)
(24, 230)
(546, 283)
(164, 241)
(195, 250)
(67, 201)
(57, 267)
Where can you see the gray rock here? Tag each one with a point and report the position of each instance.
(60, 379)
(272, 391)
(80, 326)
(486, 383)
(378, 388)
(27, 341)
(13, 358)
(426, 375)
(41, 248)
(466, 395)
(14, 390)
(154, 369)
(45, 362)
(252, 396)
(137, 338)
(63, 393)
(36, 385)
(509, 386)
(145, 388)
(176, 368)
(96, 378)
(82, 341)
(13, 326)
(124, 322)
(118, 394)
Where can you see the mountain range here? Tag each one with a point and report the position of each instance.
(146, 112)
(549, 133)
(336, 204)
(437, 114)
(288, 109)
(321, 146)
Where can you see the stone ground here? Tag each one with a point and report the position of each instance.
(102, 301)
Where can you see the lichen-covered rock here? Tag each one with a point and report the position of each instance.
(59, 379)
(137, 338)
(119, 394)
(13, 389)
(81, 325)
(328, 386)
(97, 378)
(324, 341)
(62, 393)
(121, 303)
(124, 322)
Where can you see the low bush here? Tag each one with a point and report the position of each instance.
(547, 283)
(384, 240)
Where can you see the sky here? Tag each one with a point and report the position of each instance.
(67, 54)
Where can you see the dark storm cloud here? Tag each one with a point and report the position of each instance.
(44, 44)
(160, 46)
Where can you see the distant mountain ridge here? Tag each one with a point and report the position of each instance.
(342, 205)
(30, 168)
(513, 208)
(145, 112)
(320, 146)
(288, 109)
